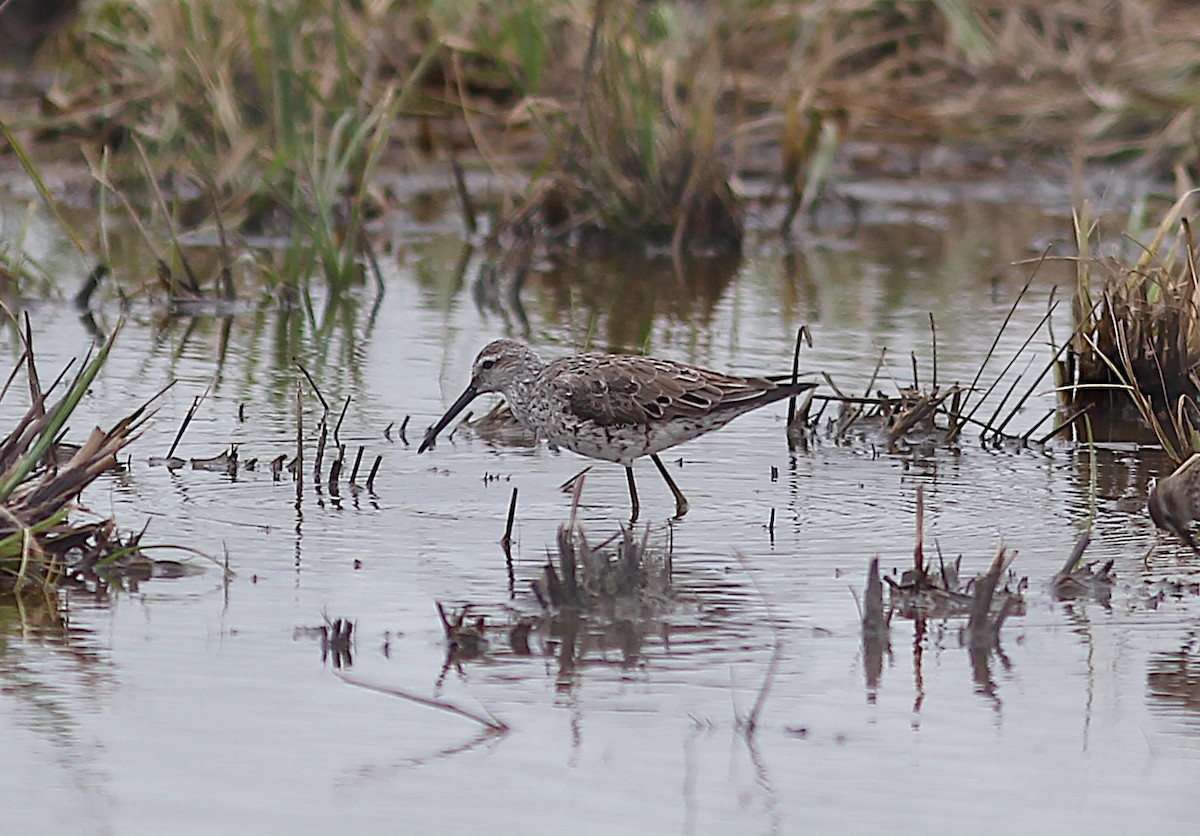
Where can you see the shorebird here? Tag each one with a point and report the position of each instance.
(1174, 502)
(614, 407)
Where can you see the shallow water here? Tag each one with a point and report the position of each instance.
(206, 702)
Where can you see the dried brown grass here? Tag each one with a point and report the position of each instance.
(1138, 330)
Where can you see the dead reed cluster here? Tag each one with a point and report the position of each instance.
(927, 413)
(621, 575)
(1137, 334)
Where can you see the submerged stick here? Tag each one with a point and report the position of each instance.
(84, 297)
(371, 476)
(357, 462)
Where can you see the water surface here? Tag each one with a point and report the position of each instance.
(206, 702)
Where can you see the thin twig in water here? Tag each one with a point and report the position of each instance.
(1012, 361)
(749, 723)
(802, 335)
(933, 341)
(995, 342)
(1065, 424)
(187, 419)
(489, 722)
(371, 476)
(338, 426)
(299, 444)
(1029, 392)
(316, 389)
(506, 540)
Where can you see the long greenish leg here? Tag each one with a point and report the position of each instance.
(632, 493)
(681, 503)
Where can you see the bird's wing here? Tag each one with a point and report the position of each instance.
(619, 389)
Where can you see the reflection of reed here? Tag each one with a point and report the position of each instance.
(50, 672)
(1173, 679)
(616, 300)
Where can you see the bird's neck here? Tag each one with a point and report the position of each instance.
(519, 393)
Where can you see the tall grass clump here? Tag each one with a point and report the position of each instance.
(1137, 331)
(636, 157)
(240, 118)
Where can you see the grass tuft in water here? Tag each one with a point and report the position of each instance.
(41, 477)
(1137, 331)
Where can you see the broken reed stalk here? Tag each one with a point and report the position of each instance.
(403, 429)
(357, 462)
(319, 457)
(1073, 559)
(919, 545)
(335, 472)
(1066, 424)
(299, 443)
(374, 470)
(933, 343)
(874, 617)
(982, 631)
(506, 540)
(802, 335)
(338, 426)
(465, 204)
(990, 423)
(316, 389)
(187, 419)
(1019, 405)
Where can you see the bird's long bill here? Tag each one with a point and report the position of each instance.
(458, 406)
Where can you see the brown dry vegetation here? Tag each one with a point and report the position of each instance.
(638, 134)
(1137, 333)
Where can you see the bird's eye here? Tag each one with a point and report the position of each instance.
(487, 364)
